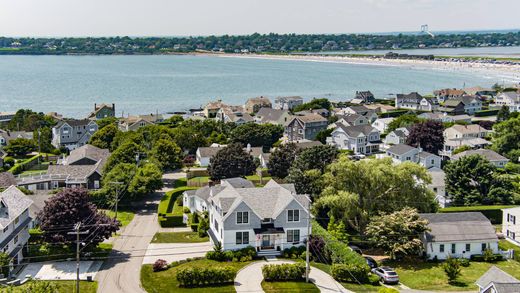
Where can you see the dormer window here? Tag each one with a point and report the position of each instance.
(242, 217)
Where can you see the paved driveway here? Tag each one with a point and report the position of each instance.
(249, 279)
(60, 270)
(175, 251)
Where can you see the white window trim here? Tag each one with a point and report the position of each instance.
(242, 238)
(293, 221)
(236, 218)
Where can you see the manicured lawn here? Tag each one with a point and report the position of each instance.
(199, 180)
(178, 237)
(169, 210)
(257, 178)
(180, 182)
(124, 216)
(430, 276)
(63, 287)
(275, 287)
(166, 281)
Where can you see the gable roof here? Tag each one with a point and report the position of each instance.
(354, 131)
(74, 123)
(471, 128)
(87, 151)
(7, 179)
(413, 97)
(270, 115)
(16, 202)
(350, 117)
(400, 149)
(75, 171)
(496, 275)
(212, 151)
(311, 117)
(490, 155)
(449, 92)
(466, 226)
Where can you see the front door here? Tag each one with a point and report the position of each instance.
(266, 242)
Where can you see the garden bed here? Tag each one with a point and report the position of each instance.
(178, 237)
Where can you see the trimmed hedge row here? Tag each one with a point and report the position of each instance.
(20, 167)
(197, 277)
(395, 113)
(485, 113)
(168, 211)
(493, 213)
(295, 252)
(350, 273)
(242, 255)
(482, 258)
(284, 272)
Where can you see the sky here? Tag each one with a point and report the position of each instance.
(69, 18)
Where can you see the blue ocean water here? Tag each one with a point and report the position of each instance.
(70, 85)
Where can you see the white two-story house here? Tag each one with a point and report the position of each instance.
(361, 139)
(270, 218)
(511, 224)
(464, 135)
(401, 153)
(14, 222)
(509, 99)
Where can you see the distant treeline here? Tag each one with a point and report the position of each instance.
(257, 43)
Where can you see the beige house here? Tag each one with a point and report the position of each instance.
(253, 105)
(132, 123)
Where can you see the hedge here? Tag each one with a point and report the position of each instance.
(295, 252)
(20, 167)
(395, 113)
(197, 173)
(493, 213)
(284, 272)
(350, 273)
(242, 255)
(485, 113)
(199, 277)
(481, 258)
(170, 212)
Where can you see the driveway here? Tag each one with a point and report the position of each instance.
(249, 279)
(175, 251)
(121, 271)
(60, 270)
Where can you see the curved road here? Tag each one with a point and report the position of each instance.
(121, 272)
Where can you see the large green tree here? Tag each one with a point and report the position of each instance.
(167, 154)
(405, 120)
(281, 160)
(506, 138)
(126, 153)
(355, 191)
(231, 161)
(28, 120)
(20, 147)
(474, 180)
(398, 233)
(147, 179)
(264, 135)
(104, 137)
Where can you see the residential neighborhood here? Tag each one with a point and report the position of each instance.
(268, 183)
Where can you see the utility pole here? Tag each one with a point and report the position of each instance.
(77, 232)
(307, 267)
(117, 194)
(39, 145)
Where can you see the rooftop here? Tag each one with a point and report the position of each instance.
(453, 227)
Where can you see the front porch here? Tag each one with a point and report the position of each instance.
(269, 239)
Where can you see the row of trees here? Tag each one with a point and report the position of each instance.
(254, 42)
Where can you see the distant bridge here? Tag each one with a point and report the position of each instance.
(425, 30)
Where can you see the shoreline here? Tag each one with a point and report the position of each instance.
(505, 71)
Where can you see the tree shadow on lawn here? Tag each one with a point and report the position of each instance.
(458, 283)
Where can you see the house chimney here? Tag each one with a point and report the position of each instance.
(95, 106)
(248, 148)
(114, 108)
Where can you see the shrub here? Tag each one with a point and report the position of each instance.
(159, 265)
(284, 272)
(464, 262)
(198, 277)
(203, 227)
(482, 258)
(350, 273)
(452, 268)
(387, 290)
(294, 252)
(186, 210)
(242, 255)
(484, 113)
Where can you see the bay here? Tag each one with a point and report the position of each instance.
(70, 85)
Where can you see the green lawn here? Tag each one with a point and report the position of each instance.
(169, 211)
(292, 287)
(124, 216)
(63, 287)
(422, 275)
(199, 180)
(166, 281)
(178, 237)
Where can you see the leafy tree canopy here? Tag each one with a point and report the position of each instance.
(322, 103)
(104, 137)
(506, 138)
(264, 135)
(281, 160)
(405, 120)
(167, 154)
(20, 147)
(231, 161)
(429, 135)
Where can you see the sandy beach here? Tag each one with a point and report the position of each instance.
(509, 73)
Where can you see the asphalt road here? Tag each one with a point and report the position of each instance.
(121, 272)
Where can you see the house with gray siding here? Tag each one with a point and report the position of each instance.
(305, 127)
(270, 218)
(73, 133)
(361, 139)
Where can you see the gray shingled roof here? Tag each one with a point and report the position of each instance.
(307, 144)
(488, 154)
(13, 204)
(459, 227)
(238, 182)
(355, 131)
(270, 115)
(400, 149)
(74, 171)
(87, 151)
(506, 288)
(496, 275)
(7, 179)
(349, 117)
(212, 151)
